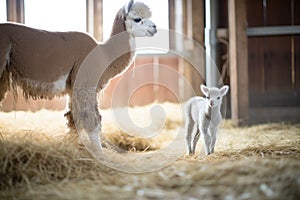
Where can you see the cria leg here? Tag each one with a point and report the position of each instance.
(189, 131)
(195, 140)
(213, 133)
(207, 141)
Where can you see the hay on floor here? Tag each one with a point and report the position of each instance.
(41, 160)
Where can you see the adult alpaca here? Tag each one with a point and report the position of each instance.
(45, 64)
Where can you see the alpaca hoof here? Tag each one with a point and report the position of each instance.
(191, 152)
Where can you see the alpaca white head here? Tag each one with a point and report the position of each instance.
(137, 20)
(214, 95)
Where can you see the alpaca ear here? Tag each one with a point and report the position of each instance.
(128, 6)
(224, 90)
(204, 89)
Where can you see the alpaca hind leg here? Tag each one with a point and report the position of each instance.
(4, 85)
(4, 63)
(69, 115)
(189, 131)
(195, 140)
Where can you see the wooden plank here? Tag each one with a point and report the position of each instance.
(198, 36)
(277, 63)
(275, 114)
(193, 21)
(94, 18)
(15, 11)
(172, 23)
(98, 20)
(238, 61)
(297, 63)
(187, 17)
(198, 21)
(273, 30)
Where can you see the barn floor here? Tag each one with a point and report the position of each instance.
(40, 160)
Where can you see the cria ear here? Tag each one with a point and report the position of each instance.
(204, 89)
(224, 90)
(128, 6)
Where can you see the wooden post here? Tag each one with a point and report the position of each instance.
(238, 61)
(98, 20)
(193, 27)
(198, 21)
(94, 18)
(15, 11)
(198, 36)
(187, 17)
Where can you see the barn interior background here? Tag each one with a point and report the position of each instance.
(261, 63)
(256, 46)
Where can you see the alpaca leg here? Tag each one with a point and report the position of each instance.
(4, 85)
(207, 140)
(85, 114)
(213, 133)
(70, 120)
(94, 134)
(196, 139)
(189, 131)
(69, 115)
(4, 62)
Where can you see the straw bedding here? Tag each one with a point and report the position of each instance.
(40, 160)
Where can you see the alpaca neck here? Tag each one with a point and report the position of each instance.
(120, 27)
(121, 63)
(119, 23)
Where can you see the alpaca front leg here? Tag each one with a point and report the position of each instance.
(87, 118)
(92, 125)
(89, 128)
(95, 139)
(213, 133)
(94, 135)
(207, 141)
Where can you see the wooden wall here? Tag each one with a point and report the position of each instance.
(274, 61)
